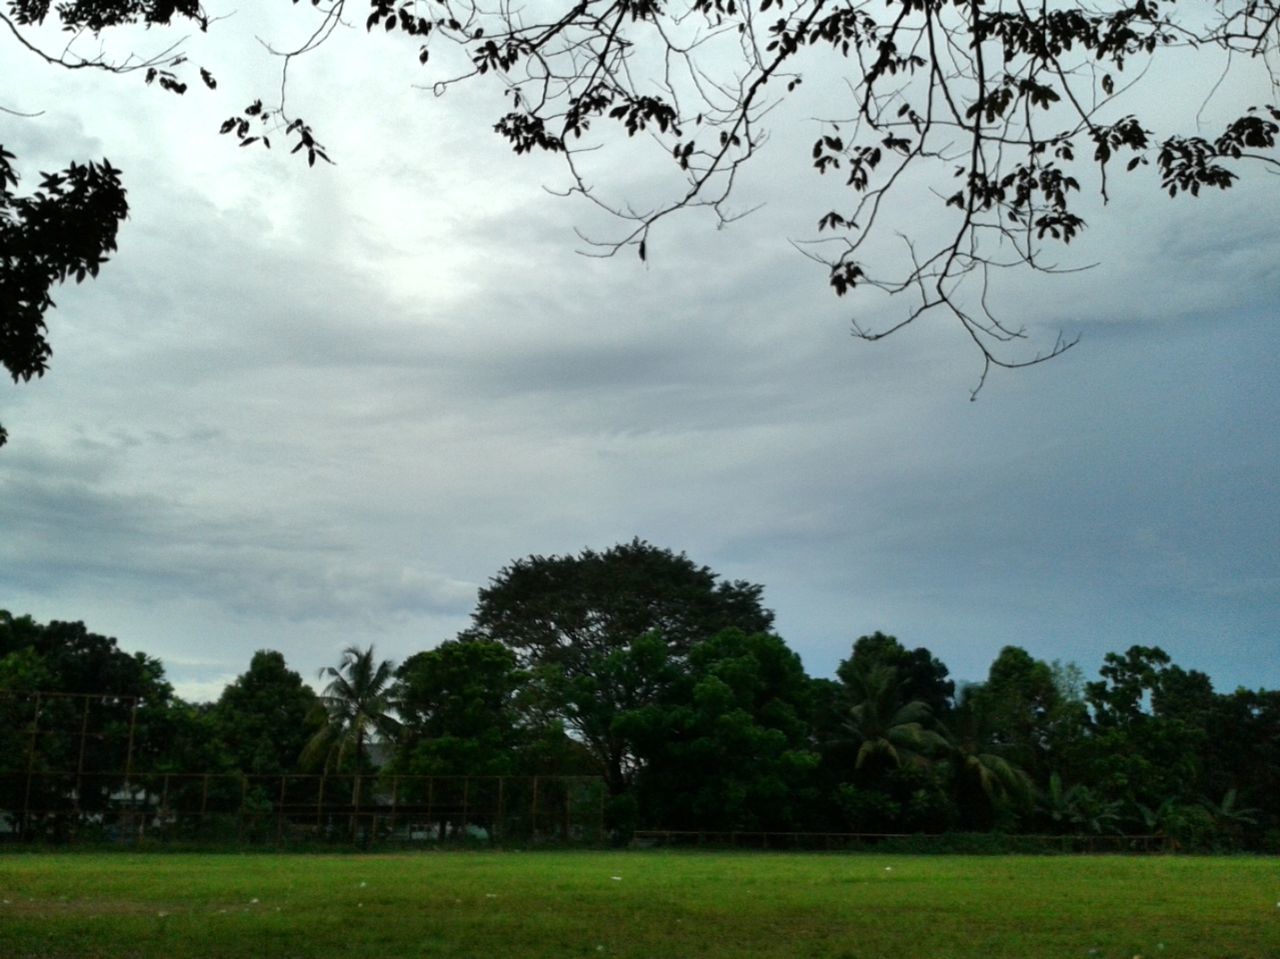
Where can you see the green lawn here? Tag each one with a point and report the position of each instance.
(645, 905)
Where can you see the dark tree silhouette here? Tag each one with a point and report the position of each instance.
(65, 229)
(1007, 107)
(602, 631)
(1004, 113)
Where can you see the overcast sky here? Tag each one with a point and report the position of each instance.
(307, 408)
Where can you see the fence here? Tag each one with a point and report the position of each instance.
(902, 842)
(298, 809)
(74, 768)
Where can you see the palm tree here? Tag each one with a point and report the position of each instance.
(983, 773)
(883, 726)
(357, 705)
(1229, 818)
(1080, 807)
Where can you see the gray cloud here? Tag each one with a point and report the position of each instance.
(307, 408)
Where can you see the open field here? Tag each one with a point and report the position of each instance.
(644, 905)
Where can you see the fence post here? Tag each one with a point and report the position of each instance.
(533, 812)
(31, 763)
(280, 812)
(355, 805)
(204, 802)
(500, 823)
(164, 805)
(568, 813)
(395, 801)
(84, 731)
(128, 756)
(466, 804)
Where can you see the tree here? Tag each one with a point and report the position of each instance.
(1243, 752)
(1024, 714)
(729, 745)
(887, 729)
(64, 229)
(1079, 807)
(457, 705)
(601, 632)
(879, 747)
(1140, 751)
(356, 705)
(1011, 112)
(83, 714)
(919, 674)
(68, 226)
(987, 779)
(266, 716)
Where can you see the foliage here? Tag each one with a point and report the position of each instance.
(458, 710)
(921, 676)
(603, 633)
(1008, 112)
(885, 728)
(1079, 809)
(64, 230)
(1143, 748)
(727, 745)
(1023, 713)
(1011, 113)
(78, 710)
(266, 716)
(718, 731)
(93, 683)
(356, 707)
(989, 784)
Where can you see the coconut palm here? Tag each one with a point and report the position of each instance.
(882, 726)
(982, 768)
(357, 706)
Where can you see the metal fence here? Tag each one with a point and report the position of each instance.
(78, 768)
(68, 807)
(903, 842)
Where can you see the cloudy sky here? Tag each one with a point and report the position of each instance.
(303, 409)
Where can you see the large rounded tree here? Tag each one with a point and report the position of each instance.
(601, 632)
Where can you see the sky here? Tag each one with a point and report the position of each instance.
(303, 409)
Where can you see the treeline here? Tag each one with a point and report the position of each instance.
(638, 666)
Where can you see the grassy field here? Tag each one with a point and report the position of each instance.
(645, 905)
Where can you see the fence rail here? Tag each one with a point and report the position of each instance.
(79, 767)
(913, 842)
(74, 806)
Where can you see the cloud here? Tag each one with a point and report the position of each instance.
(81, 536)
(302, 408)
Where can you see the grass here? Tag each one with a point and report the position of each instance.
(644, 905)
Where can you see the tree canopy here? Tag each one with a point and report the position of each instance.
(266, 715)
(1003, 115)
(601, 632)
(724, 732)
(354, 708)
